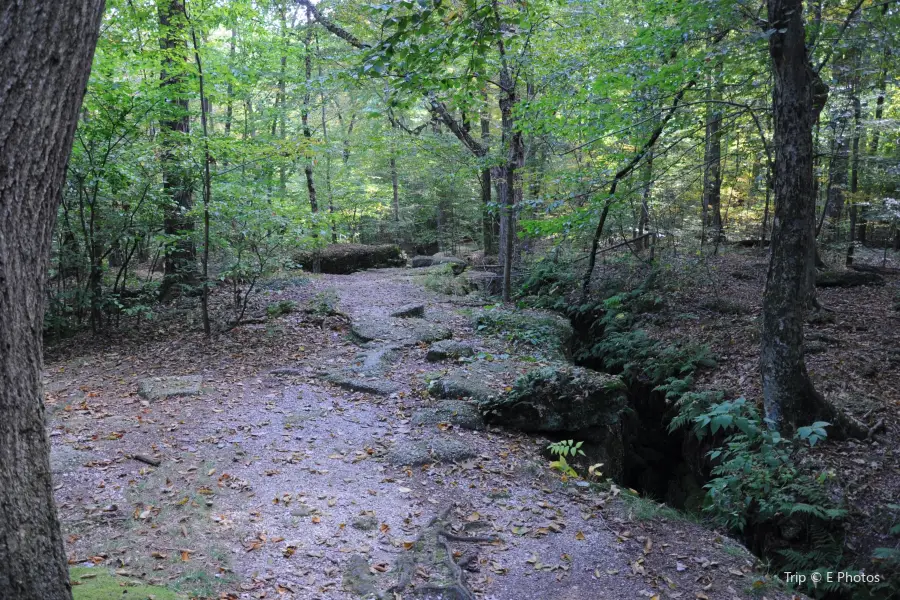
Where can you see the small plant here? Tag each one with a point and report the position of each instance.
(278, 309)
(563, 449)
(324, 304)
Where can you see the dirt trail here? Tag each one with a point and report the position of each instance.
(283, 485)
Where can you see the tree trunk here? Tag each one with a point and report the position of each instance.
(712, 171)
(799, 95)
(395, 189)
(177, 185)
(646, 192)
(44, 67)
(837, 178)
(854, 172)
(489, 225)
(304, 116)
(229, 92)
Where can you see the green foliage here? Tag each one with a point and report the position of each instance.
(561, 450)
(324, 304)
(443, 280)
(756, 478)
(278, 309)
(542, 332)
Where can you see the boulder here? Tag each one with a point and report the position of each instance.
(461, 384)
(409, 311)
(403, 331)
(846, 279)
(341, 259)
(354, 383)
(460, 414)
(449, 349)
(438, 449)
(486, 282)
(159, 388)
(558, 398)
(458, 265)
(570, 401)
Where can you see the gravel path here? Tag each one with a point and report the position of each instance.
(285, 485)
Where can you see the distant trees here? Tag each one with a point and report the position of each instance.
(44, 66)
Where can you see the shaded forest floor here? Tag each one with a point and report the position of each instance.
(284, 485)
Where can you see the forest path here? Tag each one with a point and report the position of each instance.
(276, 483)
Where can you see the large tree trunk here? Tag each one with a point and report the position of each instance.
(799, 95)
(45, 57)
(180, 259)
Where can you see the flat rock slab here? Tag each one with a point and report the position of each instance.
(460, 414)
(358, 578)
(462, 384)
(438, 449)
(449, 349)
(354, 383)
(410, 311)
(159, 388)
(376, 360)
(401, 331)
(64, 458)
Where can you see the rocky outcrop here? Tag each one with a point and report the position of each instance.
(341, 259)
(442, 448)
(453, 412)
(449, 350)
(558, 398)
(401, 331)
(462, 384)
(846, 279)
(570, 400)
(409, 311)
(458, 264)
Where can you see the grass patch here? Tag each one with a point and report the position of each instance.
(647, 509)
(98, 583)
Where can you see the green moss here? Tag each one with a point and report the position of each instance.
(98, 583)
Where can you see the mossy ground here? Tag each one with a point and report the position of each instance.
(99, 583)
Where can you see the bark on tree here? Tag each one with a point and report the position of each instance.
(646, 194)
(489, 225)
(712, 170)
(799, 96)
(180, 257)
(837, 180)
(304, 115)
(854, 171)
(45, 58)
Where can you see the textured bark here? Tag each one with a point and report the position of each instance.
(643, 240)
(304, 116)
(489, 224)
(837, 180)
(45, 57)
(712, 171)
(180, 259)
(799, 95)
(854, 172)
